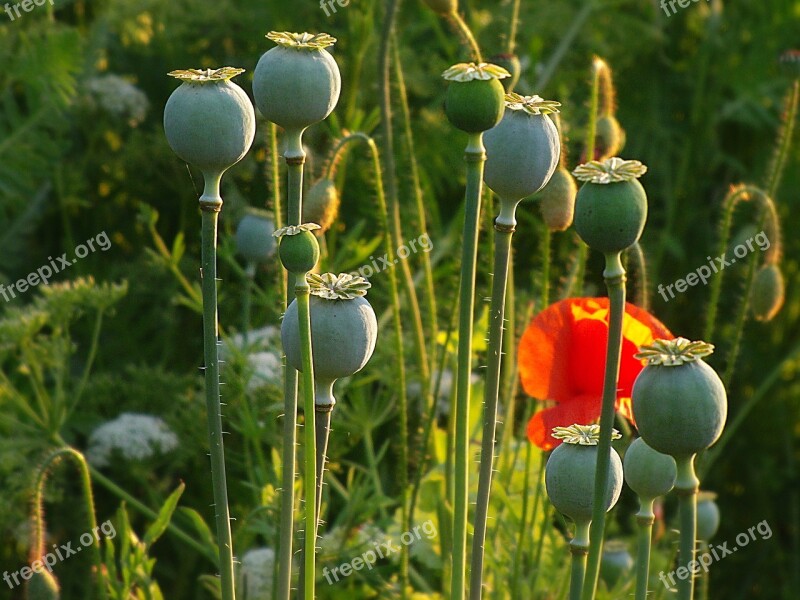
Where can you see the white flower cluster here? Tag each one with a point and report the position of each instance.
(256, 573)
(263, 355)
(118, 97)
(133, 436)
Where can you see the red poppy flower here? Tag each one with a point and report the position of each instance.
(562, 358)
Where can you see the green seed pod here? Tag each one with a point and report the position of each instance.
(708, 517)
(557, 200)
(648, 473)
(475, 99)
(442, 7)
(254, 240)
(510, 62)
(297, 83)
(523, 150)
(610, 137)
(43, 586)
(209, 121)
(611, 207)
(766, 297)
(615, 562)
(570, 470)
(343, 330)
(298, 248)
(321, 204)
(679, 402)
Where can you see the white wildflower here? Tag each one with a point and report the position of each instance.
(263, 358)
(133, 436)
(118, 97)
(256, 574)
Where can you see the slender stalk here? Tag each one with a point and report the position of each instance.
(504, 230)
(38, 545)
(302, 292)
(511, 45)
(322, 424)
(705, 576)
(460, 25)
(578, 548)
(642, 298)
(686, 486)
(210, 205)
(614, 276)
(784, 139)
(644, 522)
(523, 533)
(295, 159)
(475, 157)
(274, 178)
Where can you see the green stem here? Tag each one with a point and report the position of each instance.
(705, 575)
(512, 30)
(475, 157)
(784, 139)
(467, 38)
(322, 423)
(644, 522)
(274, 176)
(37, 550)
(578, 548)
(210, 205)
(87, 369)
(686, 486)
(565, 42)
(594, 100)
(523, 533)
(302, 292)
(642, 297)
(504, 230)
(295, 159)
(614, 276)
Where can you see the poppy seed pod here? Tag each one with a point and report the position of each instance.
(254, 240)
(321, 204)
(43, 586)
(679, 402)
(442, 7)
(510, 62)
(708, 517)
(297, 83)
(343, 330)
(557, 200)
(298, 247)
(570, 472)
(615, 562)
(766, 297)
(209, 121)
(523, 150)
(611, 206)
(648, 473)
(475, 99)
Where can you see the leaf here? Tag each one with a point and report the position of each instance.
(200, 527)
(160, 525)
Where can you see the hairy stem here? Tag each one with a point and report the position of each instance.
(644, 522)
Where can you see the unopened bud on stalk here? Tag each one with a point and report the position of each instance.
(321, 204)
(767, 295)
(557, 200)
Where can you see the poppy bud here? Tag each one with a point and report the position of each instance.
(557, 200)
(254, 239)
(610, 137)
(475, 99)
(766, 297)
(297, 83)
(298, 249)
(321, 204)
(611, 207)
(43, 586)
